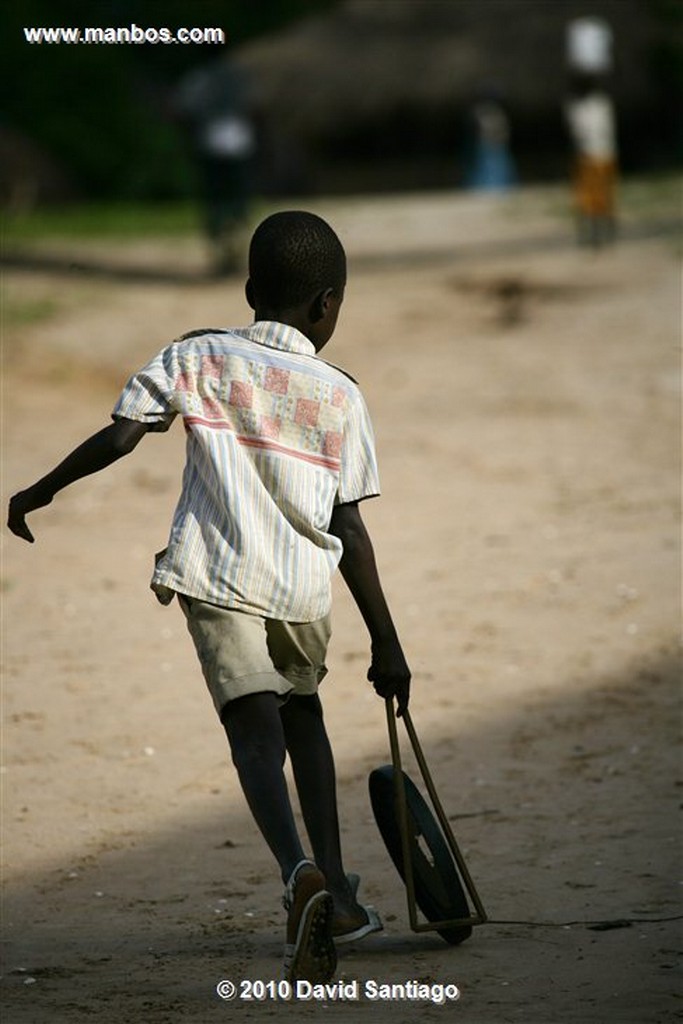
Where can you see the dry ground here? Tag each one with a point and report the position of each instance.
(525, 396)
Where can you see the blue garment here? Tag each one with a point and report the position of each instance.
(492, 168)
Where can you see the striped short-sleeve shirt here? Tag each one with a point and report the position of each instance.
(275, 438)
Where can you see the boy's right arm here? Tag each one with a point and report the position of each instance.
(388, 670)
(97, 452)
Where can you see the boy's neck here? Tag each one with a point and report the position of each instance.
(289, 317)
(296, 318)
(316, 319)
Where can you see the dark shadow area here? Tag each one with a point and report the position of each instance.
(593, 839)
(44, 263)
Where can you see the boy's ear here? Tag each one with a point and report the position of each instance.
(320, 305)
(249, 293)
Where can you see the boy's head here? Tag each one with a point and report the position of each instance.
(297, 273)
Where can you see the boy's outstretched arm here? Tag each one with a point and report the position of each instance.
(99, 451)
(388, 670)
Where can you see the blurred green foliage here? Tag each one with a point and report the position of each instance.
(104, 111)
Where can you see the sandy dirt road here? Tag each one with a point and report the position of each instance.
(526, 401)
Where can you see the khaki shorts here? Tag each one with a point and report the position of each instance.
(242, 654)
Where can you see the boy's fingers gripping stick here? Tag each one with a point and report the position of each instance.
(390, 675)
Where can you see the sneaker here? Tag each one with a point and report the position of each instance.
(309, 950)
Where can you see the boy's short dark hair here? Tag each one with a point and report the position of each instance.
(294, 256)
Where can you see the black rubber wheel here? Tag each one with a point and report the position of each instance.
(438, 891)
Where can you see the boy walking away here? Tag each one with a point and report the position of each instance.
(279, 454)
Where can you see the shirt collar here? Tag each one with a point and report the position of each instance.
(277, 335)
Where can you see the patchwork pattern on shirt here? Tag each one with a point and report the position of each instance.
(265, 405)
(276, 437)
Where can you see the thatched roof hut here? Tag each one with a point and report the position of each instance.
(396, 67)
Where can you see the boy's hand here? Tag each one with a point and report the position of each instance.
(389, 673)
(20, 506)
(95, 453)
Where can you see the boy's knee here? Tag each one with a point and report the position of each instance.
(256, 753)
(254, 733)
(302, 705)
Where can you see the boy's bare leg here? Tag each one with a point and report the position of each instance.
(257, 743)
(312, 761)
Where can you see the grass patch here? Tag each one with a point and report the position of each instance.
(102, 220)
(641, 198)
(23, 312)
(650, 196)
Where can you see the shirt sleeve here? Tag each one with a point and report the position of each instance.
(358, 477)
(148, 395)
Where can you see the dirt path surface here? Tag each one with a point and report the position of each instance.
(525, 397)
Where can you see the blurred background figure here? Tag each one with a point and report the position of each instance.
(213, 104)
(591, 122)
(489, 165)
